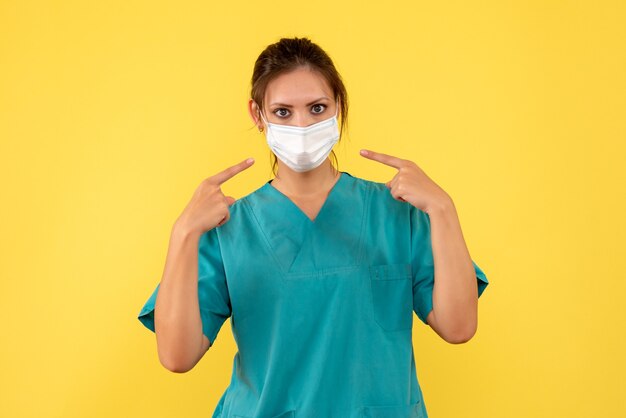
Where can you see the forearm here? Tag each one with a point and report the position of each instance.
(455, 293)
(178, 324)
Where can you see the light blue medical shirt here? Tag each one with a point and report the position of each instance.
(321, 311)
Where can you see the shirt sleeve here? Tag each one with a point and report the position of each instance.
(213, 296)
(423, 266)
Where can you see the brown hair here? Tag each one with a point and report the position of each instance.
(287, 55)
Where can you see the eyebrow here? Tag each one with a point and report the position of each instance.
(308, 104)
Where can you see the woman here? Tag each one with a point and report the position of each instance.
(319, 271)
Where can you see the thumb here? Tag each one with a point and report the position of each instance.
(230, 200)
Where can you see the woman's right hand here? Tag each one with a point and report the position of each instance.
(209, 207)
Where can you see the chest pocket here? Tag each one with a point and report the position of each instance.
(392, 296)
(405, 411)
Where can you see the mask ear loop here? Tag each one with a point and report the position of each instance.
(262, 118)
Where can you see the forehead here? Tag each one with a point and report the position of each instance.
(297, 87)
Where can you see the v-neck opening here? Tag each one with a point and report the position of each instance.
(299, 210)
(298, 244)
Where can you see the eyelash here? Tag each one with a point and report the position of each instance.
(317, 104)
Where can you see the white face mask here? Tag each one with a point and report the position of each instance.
(303, 148)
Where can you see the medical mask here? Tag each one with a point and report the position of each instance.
(303, 148)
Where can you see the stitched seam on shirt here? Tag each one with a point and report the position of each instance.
(364, 217)
(321, 272)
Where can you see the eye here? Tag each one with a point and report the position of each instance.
(278, 112)
(318, 108)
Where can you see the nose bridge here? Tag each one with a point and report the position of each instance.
(302, 118)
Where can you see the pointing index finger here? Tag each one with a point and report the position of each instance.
(230, 172)
(383, 158)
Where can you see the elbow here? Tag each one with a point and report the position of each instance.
(177, 354)
(177, 360)
(175, 365)
(179, 369)
(459, 338)
(461, 335)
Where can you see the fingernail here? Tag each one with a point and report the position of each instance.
(363, 152)
(250, 160)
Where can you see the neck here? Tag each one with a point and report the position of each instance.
(310, 182)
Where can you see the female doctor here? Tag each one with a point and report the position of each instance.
(319, 271)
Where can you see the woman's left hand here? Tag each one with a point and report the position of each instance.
(411, 184)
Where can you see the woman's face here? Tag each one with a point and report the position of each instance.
(298, 98)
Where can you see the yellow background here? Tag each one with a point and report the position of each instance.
(111, 113)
